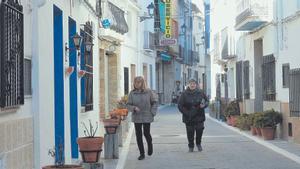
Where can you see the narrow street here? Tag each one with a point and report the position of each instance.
(223, 148)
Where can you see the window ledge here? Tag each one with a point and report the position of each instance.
(27, 96)
(9, 110)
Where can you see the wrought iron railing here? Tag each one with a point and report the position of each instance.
(12, 54)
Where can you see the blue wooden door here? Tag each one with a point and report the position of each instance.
(73, 90)
(58, 79)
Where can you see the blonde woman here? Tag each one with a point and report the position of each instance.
(142, 102)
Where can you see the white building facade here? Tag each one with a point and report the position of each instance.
(58, 97)
(265, 71)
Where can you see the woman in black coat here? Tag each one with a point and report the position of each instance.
(191, 104)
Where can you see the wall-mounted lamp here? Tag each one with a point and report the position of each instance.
(88, 46)
(77, 40)
(77, 43)
(150, 8)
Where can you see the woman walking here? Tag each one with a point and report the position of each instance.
(192, 103)
(142, 102)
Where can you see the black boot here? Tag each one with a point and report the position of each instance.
(150, 149)
(141, 157)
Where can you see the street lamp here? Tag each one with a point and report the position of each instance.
(77, 41)
(150, 8)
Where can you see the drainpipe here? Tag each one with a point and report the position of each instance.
(35, 81)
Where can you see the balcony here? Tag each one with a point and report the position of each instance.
(252, 14)
(148, 41)
(228, 50)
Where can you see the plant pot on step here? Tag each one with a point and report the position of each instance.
(90, 148)
(253, 130)
(111, 125)
(258, 131)
(228, 120)
(63, 167)
(233, 120)
(268, 133)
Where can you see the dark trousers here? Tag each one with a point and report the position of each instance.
(139, 136)
(191, 128)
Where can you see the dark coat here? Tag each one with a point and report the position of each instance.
(189, 105)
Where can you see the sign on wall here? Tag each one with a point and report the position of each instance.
(168, 20)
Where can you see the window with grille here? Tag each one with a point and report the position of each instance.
(294, 84)
(285, 75)
(269, 78)
(246, 80)
(87, 65)
(11, 54)
(27, 77)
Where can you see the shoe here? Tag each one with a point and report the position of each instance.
(199, 147)
(150, 150)
(191, 149)
(141, 157)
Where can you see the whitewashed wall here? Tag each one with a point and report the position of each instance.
(43, 82)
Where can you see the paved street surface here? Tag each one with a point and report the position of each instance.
(223, 148)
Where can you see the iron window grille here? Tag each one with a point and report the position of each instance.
(87, 65)
(269, 78)
(294, 92)
(12, 54)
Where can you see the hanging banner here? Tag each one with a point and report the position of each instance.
(168, 20)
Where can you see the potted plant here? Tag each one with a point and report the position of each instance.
(231, 112)
(257, 122)
(244, 122)
(90, 146)
(58, 154)
(251, 121)
(111, 125)
(269, 121)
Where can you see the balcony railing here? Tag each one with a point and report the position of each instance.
(252, 14)
(148, 40)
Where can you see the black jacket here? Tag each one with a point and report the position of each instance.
(189, 105)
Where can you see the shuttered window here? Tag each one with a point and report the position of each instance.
(246, 80)
(239, 82)
(285, 75)
(27, 77)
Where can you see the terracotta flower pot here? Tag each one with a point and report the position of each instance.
(268, 133)
(233, 120)
(111, 125)
(63, 167)
(258, 131)
(90, 148)
(253, 130)
(228, 120)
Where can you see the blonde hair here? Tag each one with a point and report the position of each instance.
(140, 79)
